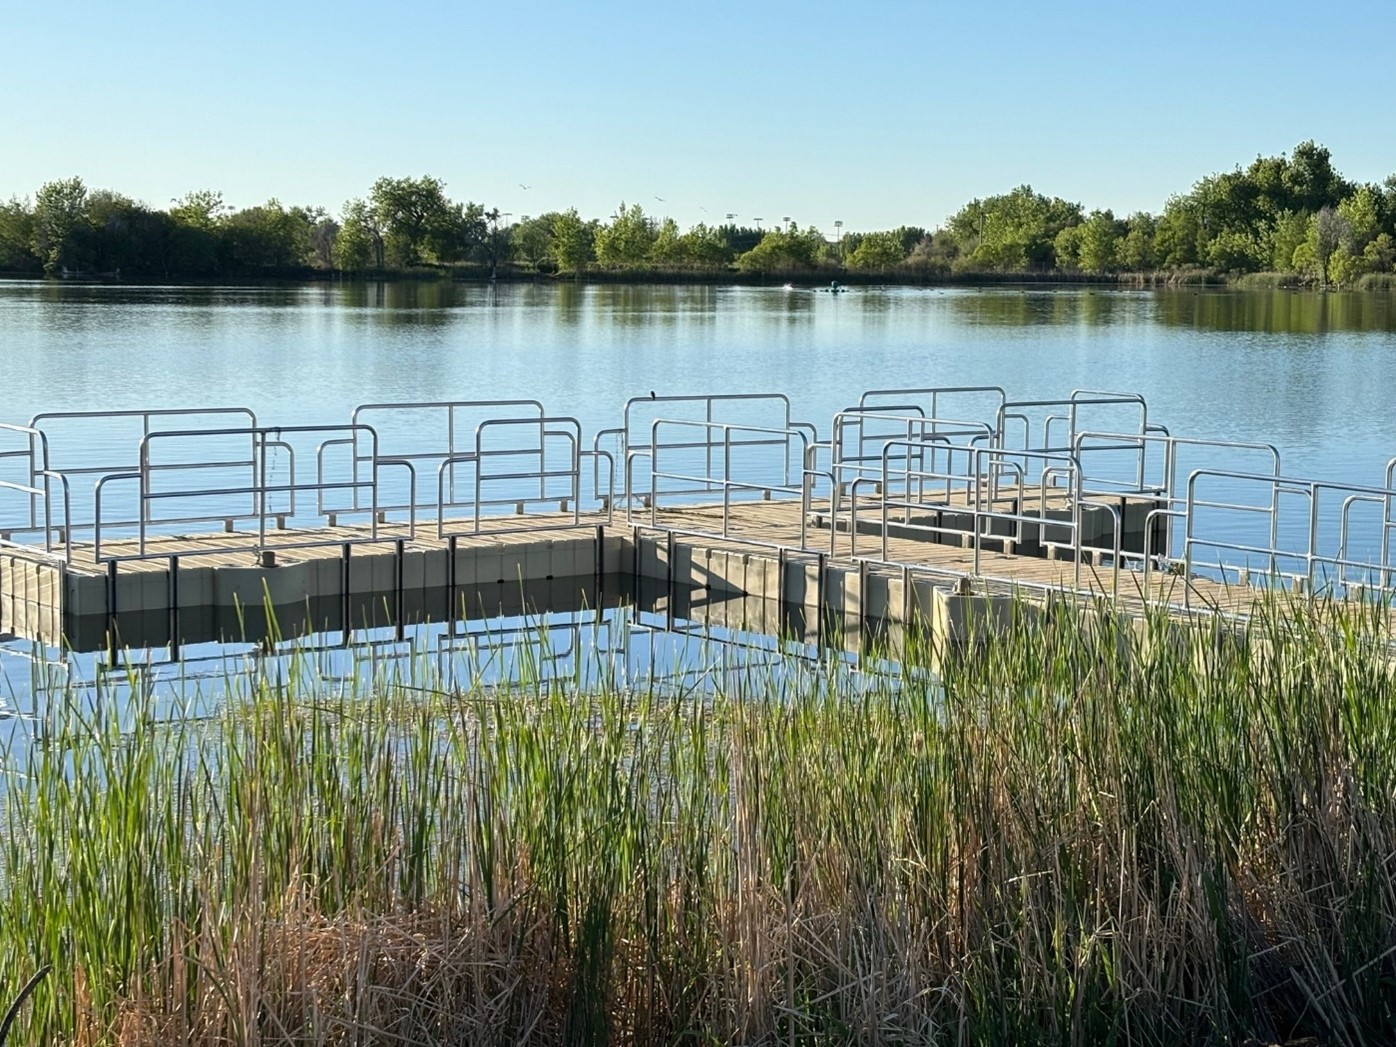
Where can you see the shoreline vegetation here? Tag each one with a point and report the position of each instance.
(1084, 830)
(1287, 221)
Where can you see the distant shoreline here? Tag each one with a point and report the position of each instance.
(1162, 280)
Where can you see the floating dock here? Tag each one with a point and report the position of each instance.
(167, 528)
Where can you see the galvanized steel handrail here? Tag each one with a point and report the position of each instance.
(726, 484)
(936, 392)
(709, 402)
(145, 416)
(259, 488)
(451, 408)
(571, 431)
(986, 487)
(1310, 555)
(37, 456)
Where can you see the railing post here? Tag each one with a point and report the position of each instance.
(451, 580)
(259, 440)
(111, 613)
(399, 594)
(174, 609)
(344, 600)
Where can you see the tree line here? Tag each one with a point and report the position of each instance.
(1291, 214)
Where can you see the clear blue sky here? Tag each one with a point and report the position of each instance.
(877, 114)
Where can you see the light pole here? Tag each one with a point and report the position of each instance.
(838, 239)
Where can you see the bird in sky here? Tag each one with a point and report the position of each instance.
(660, 199)
(525, 187)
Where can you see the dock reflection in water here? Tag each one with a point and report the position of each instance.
(621, 632)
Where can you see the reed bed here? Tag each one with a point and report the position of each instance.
(1082, 831)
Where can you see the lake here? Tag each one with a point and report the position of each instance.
(1313, 373)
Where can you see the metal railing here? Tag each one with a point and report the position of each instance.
(569, 499)
(638, 416)
(259, 490)
(48, 463)
(716, 442)
(916, 432)
(934, 395)
(36, 488)
(984, 492)
(457, 420)
(1335, 571)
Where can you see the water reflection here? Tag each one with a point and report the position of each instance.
(1276, 312)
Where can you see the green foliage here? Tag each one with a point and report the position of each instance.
(627, 240)
(1178, 234)
(667, 248)
(704, 246)
(1290, 214)
(531, 240)
(60, 208)
(1234, 251)
(786, 251)
(359, 245)
(17, 236)
(1137, 253)
(877, 252)
(418, 224)
(1014, 232)
(573, 245)
(1288, 230)
(200, 209)
(267, 237)
(1100, 238)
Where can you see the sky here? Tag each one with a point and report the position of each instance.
(876, 114)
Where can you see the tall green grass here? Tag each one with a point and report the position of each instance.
(1086, 831)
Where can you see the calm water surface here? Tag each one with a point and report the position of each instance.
(1313, 373)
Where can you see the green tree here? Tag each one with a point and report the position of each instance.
(122, 235)
(1326, 232)
(705, 246)
(878, 252)
(786, 251)
(573, 241)
(359, 245)
(60, 210)
(1100, 243)
(1178, 233)
(1287, 232)
(1310, 180)
(200, 209)
(531, 241)
(195, 242)
(1379, 256)
(667, 248)
(17, 236)
(627, 239)
(1237, 251)
(1137, 248)
(1014, 232)
(1066, 248)
(414, 217)
(267, 237)
(459, 232)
